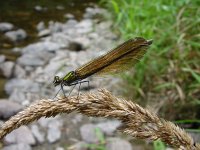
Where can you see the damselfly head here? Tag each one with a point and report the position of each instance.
(57, 80)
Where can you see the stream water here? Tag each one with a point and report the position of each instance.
(26, 14)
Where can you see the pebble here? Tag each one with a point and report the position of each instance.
(118, 144)
(26, 85)
(39, 135)
(88, 133)
(2, 58)
(17, 35)
(6, 26)
(44, 33)
(19, 72)
(41, 46)
(8, 109)
(109, 127)
(20, 146)
(40, 26)
(54, 132)
(69, 16)
(7, 68)
(21, 135)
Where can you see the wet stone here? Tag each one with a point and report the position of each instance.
(5, 26)
(17, 35)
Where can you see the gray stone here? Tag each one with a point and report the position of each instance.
(88, 133)
(109, 127)
(55, 26)
(19, 72)
(77, 118)
(69, 16)
(7, 68)
(8, 109)
(17, 35)
(17, 96)
(20, 135)
(37, 133)
(195, 136)
(20, 146)
(92, 12)
(119, 144)
(85, 26)
(40, 26)
(44, 33)
(2, 58)
(5, 26)
(30, 60)
(54, 133)
(21, 84)
(41, 46)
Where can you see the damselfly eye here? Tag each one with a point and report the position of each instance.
(56, 80)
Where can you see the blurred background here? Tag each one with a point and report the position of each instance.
(41, 39)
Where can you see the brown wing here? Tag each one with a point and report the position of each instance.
(133, 48)
(124, 63)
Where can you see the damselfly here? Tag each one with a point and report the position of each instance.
(115, 61)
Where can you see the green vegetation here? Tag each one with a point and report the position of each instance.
(169, 75)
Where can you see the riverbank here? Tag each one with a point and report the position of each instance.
(61, 47)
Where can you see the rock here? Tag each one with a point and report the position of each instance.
(40, 8)
(117, 143)
(109, 127)
(78, 146)
(7, 68)
(2, 58)
(71, 23)
(88, 133)
(22, 85)
(8, 109)
(69, 16)
(61, 39)
(55, 26)
(19, 72)
(40, 26)
(5, 26)
(20, 146)
(20, 135)
(17, 35)
(54, 133)
(85, 26)
(92, 12)
(41, 46)
(44, 33)
(195, 136)
(30, 60)
(37, 133)
(17, 96)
